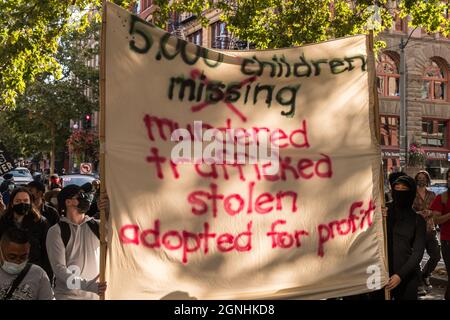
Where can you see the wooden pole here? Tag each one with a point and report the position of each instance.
(374, 100)
(103, 241)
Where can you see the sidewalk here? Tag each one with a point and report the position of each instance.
(439, 275)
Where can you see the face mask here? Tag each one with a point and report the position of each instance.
(402, 199)
(422, 183)
(21, 208)
(84, 203)
(13, 268)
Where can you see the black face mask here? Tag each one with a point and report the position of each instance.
(22, 208)
(84, 203)
(402, 199)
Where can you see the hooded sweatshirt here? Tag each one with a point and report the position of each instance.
(406, 233)
(76, 267)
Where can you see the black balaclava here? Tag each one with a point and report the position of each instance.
(404, 199)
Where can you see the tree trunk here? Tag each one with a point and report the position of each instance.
(53, 150)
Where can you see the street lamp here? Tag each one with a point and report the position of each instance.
(403, 136)
(403, 107)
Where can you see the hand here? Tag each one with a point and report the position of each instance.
(103, 204)
(384, 211)
(102, 288)
(394, 281)
(425, 214)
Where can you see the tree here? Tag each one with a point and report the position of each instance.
(285, 23)
(40, 120)
(30, 31)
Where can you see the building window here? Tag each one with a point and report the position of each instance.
(219, 36)
(399, 23)
(196, 37)
(435, 79)
(388, 78)
(434, 133)
(390, 131)
(145, 4)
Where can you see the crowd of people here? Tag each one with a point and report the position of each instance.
(49, 249)
(49, 240)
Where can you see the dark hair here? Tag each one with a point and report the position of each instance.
(38, 185)
(16, 235)
(426, 174)
(447, 173)
(9, 209)
(394, 176)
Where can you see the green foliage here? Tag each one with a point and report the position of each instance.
(30, 31)
(285, 23)
(43, 112)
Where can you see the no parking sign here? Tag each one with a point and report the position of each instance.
(86, 168)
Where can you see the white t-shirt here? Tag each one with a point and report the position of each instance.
(35, 285)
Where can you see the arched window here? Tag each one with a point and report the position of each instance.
(388, 78)
(435, 80)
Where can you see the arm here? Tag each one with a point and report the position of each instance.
(440, 218)
(2, 205)
(417, 250)
(57, 256)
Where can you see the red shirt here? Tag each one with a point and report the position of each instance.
(437, 205)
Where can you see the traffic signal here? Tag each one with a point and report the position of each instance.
(87, 121)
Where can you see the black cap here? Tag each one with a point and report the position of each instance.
(38, 185)
(67, 192)
(87, 187)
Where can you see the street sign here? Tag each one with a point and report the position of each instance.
(86, 168)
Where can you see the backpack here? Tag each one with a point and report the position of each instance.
(65, 230)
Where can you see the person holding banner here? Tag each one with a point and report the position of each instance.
(74, 248)
(406, 231)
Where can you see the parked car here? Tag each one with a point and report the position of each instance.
(78, 179)
(438, 186)
(22, 176)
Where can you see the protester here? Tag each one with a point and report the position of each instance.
(393, 176)
(422, 202)
(19, 279)
(90, 189)
(55, 182)
(441, 216)
(37, 190)
(7, 187)
(51, 196)
(406, 231)
(20, 213)
(73, 246)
